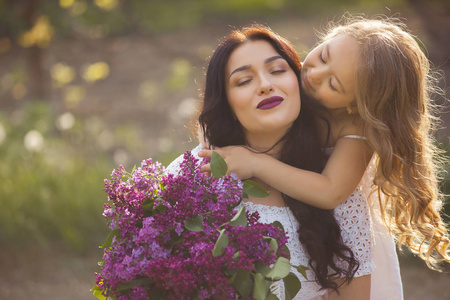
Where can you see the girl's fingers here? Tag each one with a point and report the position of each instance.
(205, 168)
(206, 153)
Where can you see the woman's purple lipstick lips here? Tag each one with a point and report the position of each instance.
(269, 102)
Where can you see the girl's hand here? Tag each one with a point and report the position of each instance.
(239, 159)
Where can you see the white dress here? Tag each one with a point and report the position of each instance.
(353, 216)
(386, 283)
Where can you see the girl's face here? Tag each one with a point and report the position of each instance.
(329, 72)
(262, 90)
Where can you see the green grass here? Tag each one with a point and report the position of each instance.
(52, 195)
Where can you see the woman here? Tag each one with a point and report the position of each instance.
(252, 97)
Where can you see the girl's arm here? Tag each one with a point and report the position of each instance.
(357, 289)
(338, 180)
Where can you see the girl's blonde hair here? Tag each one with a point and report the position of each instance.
(393, 90)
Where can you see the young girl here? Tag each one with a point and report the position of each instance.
(375, 81)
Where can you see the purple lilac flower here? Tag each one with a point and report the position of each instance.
(155, 244)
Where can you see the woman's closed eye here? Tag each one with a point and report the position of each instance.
(243, 81)
(278, 71)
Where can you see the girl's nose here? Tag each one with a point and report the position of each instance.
(316, 75)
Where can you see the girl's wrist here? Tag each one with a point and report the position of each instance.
(257, 164)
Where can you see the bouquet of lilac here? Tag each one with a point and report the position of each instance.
(181, 237)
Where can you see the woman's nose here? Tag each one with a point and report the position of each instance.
(265, 86)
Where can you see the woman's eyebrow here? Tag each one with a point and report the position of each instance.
(246, 67)
(270, 59)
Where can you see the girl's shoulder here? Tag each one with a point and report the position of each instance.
(349, 126)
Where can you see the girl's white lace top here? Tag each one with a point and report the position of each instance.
(352, 215)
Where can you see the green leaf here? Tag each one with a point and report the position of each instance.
(218, 165)
(262, 268)
(135, 282)
(291, 286)
(147, 206)
(259, 291)
(244, 288)
(280, 269)
(253, 189)
(302, 270)
(236, 255)
(286, 250)
(240, 218)
(271, 296)
(194, 223)
(110, 237)
(222, 242)
(277, 224)
(272, 243)
(161, 207)
(98, 293)
(147, 201)
(239, 276)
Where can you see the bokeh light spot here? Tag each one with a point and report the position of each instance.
(40, 35)
(106, 4)
(62, 74)
(34, 141)
(66, 3)
(95, 72)
(106, 139)
(65, 121)
(5, 44)
(187, 107)
(120, 157)
(2, 133)
(165, 144)
(73, 95)
(18, 91)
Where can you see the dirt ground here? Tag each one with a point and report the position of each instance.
(57, 274)
(60, 274)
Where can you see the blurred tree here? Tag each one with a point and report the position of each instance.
(36, 36)
(435, 15)
(33, 24)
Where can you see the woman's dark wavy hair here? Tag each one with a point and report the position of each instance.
(319, 232)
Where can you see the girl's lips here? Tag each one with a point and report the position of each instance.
(269, 102)
(305, 79)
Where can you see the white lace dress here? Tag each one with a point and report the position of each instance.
(386, 283)
(353, 216)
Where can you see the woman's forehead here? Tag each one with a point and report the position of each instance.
(249, 53)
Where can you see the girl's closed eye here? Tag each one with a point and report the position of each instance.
(332, 86)
(321, 57)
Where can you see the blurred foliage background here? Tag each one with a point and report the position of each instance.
(86, 85)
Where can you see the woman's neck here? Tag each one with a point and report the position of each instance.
(268, 144)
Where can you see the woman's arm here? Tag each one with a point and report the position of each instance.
(327, 190)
